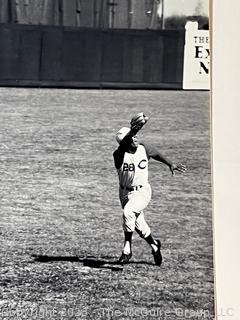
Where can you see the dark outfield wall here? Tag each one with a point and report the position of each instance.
(78, 57)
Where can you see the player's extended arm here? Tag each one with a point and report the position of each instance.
(156, 155)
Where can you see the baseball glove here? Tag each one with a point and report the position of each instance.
(138, 121)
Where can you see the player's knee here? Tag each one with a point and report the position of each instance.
(143, 232)
(129, 219)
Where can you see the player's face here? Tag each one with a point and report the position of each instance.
(134, 141)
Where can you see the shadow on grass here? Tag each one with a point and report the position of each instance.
(91, 262)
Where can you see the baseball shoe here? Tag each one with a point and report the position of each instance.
(125, 258)
(157, 254)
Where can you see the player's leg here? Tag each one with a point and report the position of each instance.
(136, 202)
(131, 209)
(129, 219)
(144, 231)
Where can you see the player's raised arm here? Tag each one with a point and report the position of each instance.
(137, 122)
(124, 136)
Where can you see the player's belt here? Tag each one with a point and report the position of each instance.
(133, 188)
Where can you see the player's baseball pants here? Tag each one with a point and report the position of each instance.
(133, 204)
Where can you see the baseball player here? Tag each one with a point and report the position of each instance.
(131, 162)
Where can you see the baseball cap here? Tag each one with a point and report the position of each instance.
(122, 133)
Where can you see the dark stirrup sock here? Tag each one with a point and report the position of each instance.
(150, 240)
(128, 236)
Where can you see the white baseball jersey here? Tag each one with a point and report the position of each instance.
(134, 168)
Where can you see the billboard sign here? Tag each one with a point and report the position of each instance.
(196, 70)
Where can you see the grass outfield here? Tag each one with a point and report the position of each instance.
(61, 220)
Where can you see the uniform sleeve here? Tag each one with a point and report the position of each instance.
(152, 152)
(118, 157)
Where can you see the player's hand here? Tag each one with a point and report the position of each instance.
(177, 167)
(138, 121)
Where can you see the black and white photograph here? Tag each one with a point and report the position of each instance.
(106, 160)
